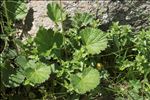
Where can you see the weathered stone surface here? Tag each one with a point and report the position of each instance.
(133, 12)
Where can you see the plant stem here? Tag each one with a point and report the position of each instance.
(6, 14)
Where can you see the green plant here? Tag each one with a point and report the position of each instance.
(81, 82)
(12, 11)
(17, 9)
(132, 60)
(49, 48)
(74, 61)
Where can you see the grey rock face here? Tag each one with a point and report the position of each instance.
(133, 12)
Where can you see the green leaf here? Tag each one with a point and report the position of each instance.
(17, 78)
(11, 77)
(21, 61)
(17, 9)
(82, 19)
(47, 39)
(94, 40)
(36, 72)
(55, 12)
(85, 81)
(11, 53)
(21, 11)
(43, 39)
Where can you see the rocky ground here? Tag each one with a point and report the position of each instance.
(130, 12)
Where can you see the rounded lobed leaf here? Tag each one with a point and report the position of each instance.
(21, 11)
(47, 39)
(43, 39)
(11, 77)
(17, 10)
(94, 40)
(85, 81)
(21, 61)
(36, 72)
(82, 19)
(55, 12)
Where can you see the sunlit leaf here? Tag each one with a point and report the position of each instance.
(94, 40)
(36, 72)
(82, 19)
(21, 11)
(55, 12)
(17, 9)
(85, 81)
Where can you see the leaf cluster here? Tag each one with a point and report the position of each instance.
(75, 59)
